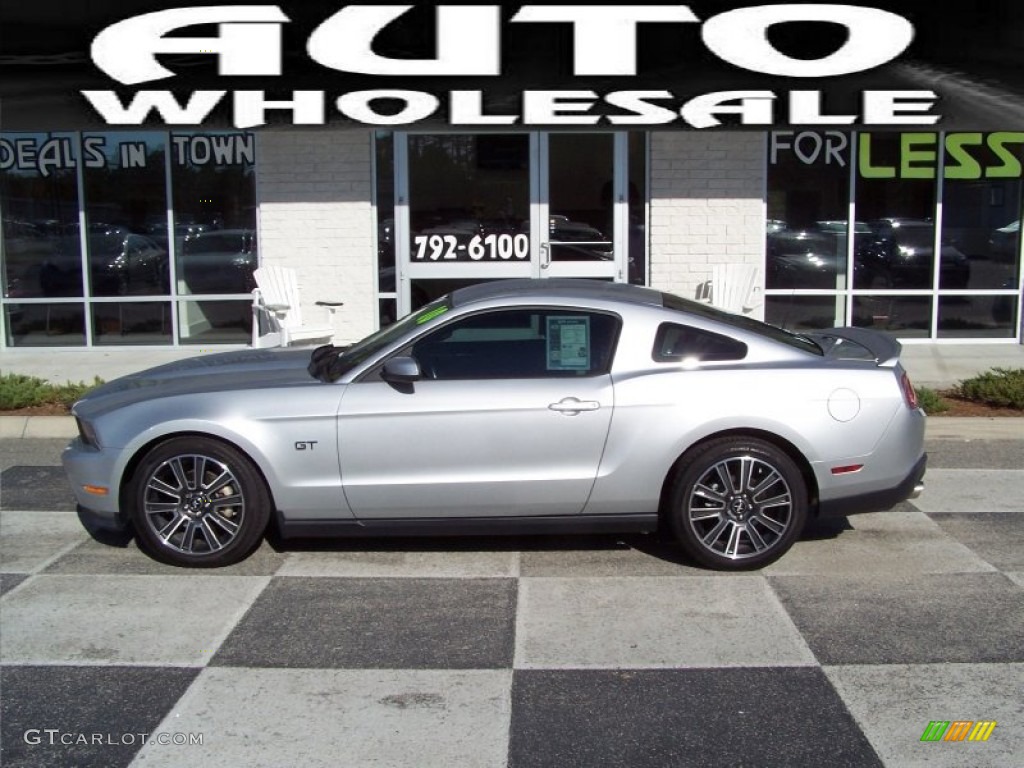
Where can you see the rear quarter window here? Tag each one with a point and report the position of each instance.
(675, 342)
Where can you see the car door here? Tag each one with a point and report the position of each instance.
(509, 418)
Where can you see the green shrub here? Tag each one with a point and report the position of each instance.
(20, 391)
(1003, 387)
(930, 400)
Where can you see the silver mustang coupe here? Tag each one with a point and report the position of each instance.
(517, 406)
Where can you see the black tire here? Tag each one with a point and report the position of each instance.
(215, 522)
(738, 504)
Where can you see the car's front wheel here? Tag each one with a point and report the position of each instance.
(198, 502)
(738, 503)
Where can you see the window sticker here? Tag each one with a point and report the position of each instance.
(568, 343)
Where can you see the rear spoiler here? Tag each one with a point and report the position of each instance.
(842, 342)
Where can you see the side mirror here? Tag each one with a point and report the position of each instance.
(401, 370)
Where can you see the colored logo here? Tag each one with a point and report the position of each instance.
(958, 730)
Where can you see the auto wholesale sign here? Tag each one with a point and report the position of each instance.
(692, 66)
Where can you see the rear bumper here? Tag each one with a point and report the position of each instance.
(878, 501)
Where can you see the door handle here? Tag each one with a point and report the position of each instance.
(545, 255)
(571, 406)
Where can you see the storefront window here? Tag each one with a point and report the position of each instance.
(935, 217)
(126, 213)
(214, 212)
(42, 255)
(896, 196)
(808, 224)
(981, 212)
(111, 281)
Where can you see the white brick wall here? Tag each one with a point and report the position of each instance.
(314, 192)
(707, 205)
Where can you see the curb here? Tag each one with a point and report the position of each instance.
(37, 427)
(937, 427)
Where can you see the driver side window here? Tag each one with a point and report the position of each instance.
(519, 344)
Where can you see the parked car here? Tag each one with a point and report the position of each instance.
(218, 261)
(814, 256)
(518, 406)
(909, 260)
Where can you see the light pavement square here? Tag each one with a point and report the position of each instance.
(648, 622)
(122, 619)
(972, 490)
(31, 539)
(341, 719)
(886, 542)
(894, 704)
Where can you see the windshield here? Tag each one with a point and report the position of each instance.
(348, 358)
(748, 324)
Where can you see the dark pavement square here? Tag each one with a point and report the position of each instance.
(789, 716)
(377, 624)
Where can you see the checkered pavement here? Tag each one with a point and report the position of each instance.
(584, 651)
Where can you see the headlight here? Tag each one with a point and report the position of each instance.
(87, 433)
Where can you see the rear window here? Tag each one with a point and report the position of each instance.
(740, 322)
(674, 343)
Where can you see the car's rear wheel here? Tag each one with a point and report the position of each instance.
(738, 503)
(198, 502)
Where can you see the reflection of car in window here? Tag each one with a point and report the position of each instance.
(218, 261)
(1004, 243)
(910, 254)
(123, 263)
(887, 253)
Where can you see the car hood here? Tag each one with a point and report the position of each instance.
(225, 371)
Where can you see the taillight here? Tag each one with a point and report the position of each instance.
(909, 395)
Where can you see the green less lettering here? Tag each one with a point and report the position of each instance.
(867, 170)
(911, 154)
(1011, 168)
(960, 164)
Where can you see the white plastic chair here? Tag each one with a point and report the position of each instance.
(733, 287)
(277, 312)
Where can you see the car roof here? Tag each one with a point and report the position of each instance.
(572, 289)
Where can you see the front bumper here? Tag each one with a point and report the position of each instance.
(99, 522)
(88, 466)
(878, 501)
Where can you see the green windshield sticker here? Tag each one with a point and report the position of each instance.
(428, 316)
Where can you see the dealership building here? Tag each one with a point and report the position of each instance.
(150, 238)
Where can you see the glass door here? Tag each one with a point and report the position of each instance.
(477, 207)
(583, 205)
